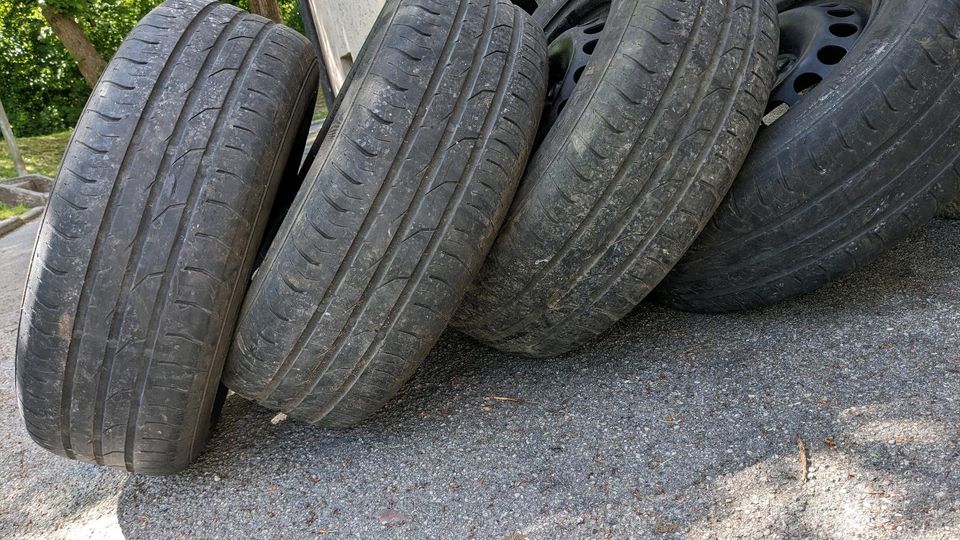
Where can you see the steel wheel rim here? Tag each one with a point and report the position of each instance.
(571, 49)
(815, 38)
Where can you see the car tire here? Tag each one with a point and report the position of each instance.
(148, 241)
(397, 211)
(864, 160)
(640, 156)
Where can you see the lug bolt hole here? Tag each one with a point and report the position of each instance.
(578, 73)
(831, 55)
(595, 29)
(806, 82)
(841, 13)
(843, 29)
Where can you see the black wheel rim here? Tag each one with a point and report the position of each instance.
(571, 50)
(814, 39)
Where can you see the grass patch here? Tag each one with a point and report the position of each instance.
(320, 110)
(41, 154)
(10, 211)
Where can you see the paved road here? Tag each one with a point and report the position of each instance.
(673, 425)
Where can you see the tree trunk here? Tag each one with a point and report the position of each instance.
(266, 8)
(11, 143)
(77, 44)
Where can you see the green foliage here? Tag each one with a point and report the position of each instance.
(43, 90)
(10, 211)
(290, 11)
(40, 85)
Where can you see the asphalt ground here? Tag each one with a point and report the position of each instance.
(672, 425)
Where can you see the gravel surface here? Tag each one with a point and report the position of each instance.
(673, 425)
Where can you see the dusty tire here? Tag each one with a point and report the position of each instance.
(148, 241)
(865, 159)
(397, 211)
(641, 155)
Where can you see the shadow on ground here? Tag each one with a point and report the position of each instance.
(672, 424)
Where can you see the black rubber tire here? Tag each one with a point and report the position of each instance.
(398, 211)
(148, 241)
(865, 159)
(650, 141)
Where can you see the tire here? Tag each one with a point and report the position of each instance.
(397, 212)
(645, 149)
(865, 159)
(148, 240)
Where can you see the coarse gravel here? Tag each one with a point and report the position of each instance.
(673, 425)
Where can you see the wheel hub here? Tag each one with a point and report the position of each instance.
(814, 39)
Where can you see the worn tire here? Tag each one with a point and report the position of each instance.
(148, 241)
(644, 151)
(865, 159)
(397, 212)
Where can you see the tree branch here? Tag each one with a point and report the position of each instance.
(266, 8)
(78, 45)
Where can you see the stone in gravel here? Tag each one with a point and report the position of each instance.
(392, 518)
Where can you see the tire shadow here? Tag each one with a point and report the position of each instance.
(671, 423)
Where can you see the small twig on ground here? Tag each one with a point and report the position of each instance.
(804, 463)
(508, 399)
(487, 406)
